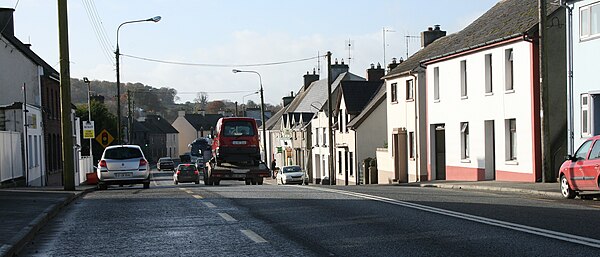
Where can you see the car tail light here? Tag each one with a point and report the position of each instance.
(102, 164)
(178, 172)
(143, 162)
(196, 172)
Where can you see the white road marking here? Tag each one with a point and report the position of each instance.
(198, 196)
(226, 216)
(182, 189)
(253, 236)
(503, 224)
(209, 205)
(188, 191)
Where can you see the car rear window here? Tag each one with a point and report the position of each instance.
(291, 169)
(122, 153)
(187, 167)
(238, 128)
(165, 160)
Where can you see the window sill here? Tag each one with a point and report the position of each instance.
(489, 93)
(436, 101)
(413, 158)
(394, 102)
(464, 97)
(511, 91)
(513, 162)
(465, 160)
(410, 100)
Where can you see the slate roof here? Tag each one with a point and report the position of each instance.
(376, 100)
(507, 19)
(139, 127)
(203, 122)
(161, 124)
(315, 94)
(357, 94)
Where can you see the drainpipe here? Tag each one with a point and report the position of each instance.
(415, 97)
(570, 114)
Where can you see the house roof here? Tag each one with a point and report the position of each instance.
(357, 94)
(160, 123)
(48, 70)
(507, 19)
(315, 94)
(203, 122)
(139, 127)
(375, 101)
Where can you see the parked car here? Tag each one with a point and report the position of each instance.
(292, 175)
(123, 165)
(186, 173)
(236, 141)
(165, 163)
(580, 171)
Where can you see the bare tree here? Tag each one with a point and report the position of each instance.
(201, 100)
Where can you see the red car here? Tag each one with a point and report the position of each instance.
(580, 172)
(236, 141)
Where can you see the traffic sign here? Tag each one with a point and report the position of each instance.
(104, 138)
(88, 130)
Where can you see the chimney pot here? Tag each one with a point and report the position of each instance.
(429, 36)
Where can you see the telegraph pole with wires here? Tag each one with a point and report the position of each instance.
(65, 98)
(330, 120)
(129, 119)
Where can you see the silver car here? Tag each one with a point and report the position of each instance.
(123, 165)
(292, 175)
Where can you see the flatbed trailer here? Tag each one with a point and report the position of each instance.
(251, 174)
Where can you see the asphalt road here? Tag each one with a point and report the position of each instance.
(269, 220)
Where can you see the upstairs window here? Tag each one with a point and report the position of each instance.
(394, 93)
(488, 73)
(410, 90)
(463, 78)
(509, 69)
(589, 21)
(436, 83)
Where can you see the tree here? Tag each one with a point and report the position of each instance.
(103, 119)
(201, 100)
(215, 106)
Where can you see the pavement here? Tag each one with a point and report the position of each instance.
(25, 210)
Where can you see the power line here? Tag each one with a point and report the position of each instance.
(220, 65)
(189, 93)
(98, 30)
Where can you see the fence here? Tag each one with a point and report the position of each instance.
(86, 165)
(11, 157)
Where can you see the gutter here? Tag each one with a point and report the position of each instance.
(475, 47)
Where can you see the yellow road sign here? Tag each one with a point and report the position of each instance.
(88, 130)
(104, 138)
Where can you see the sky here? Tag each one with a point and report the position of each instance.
(230, 33)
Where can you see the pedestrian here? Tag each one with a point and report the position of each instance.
(273, 166)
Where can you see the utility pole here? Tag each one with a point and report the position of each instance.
(130, 118)
(65, 98)
(25, 139)
(546, 171)
(330, 120)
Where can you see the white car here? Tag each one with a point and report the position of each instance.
(292, 175)
(123, 165)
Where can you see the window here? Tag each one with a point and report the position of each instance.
(436, 83)
(463, 78)
(583, 150)
(595, 153)
(589, 18)
(411, 145)
(508, 69)
(324, 137)
(316, 136)
(394, 92)
(511, 139)
(30, 151)
(488, 73)
(585, 116)
(347, 121)
(464, 140)
(351, 166)
(410, 90)
(340, 162)
(346, 170)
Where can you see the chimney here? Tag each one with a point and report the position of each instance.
(375, 74)
(337, 69)
(180, 113)
(142, 119)
(6, 20)
(432, 34)
(310, 78)
(288, 99)
(394, 63)
(203, 112)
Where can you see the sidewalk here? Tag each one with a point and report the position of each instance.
(543, 189)
(25, 210)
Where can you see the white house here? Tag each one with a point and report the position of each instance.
(483, 98)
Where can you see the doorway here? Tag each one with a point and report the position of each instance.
(400, 155)
(490, 155)
(440, 152)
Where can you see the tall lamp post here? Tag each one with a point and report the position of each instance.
(262, 111)
(87, 81)
(117, 53)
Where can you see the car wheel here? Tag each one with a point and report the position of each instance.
(102, 186)
(565, 189)
(175, 182)
(146, 185)
(259, 181)
(216, 182)
(248, 182)
(197, 182)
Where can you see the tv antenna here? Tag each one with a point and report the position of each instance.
(408, 38)
(350, 47)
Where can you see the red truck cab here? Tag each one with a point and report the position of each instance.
(236, 141)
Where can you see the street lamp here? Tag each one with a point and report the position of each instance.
(262, 111)
(87, 81)
(117, 53)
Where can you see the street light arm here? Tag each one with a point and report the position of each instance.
(153, 19)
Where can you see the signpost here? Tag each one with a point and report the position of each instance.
(88, 130)
(104, 138)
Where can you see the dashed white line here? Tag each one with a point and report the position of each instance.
(198, 196)
(253, 236)
(209, 205)
(226, 216)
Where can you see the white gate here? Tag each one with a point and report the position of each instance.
(11, 158)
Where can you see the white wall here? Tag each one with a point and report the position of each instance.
(320, 150)
(187, 134)
(452, 109)
(370, 135)
(35, 147)
(23, 71)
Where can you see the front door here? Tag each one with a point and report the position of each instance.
(440, 152)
